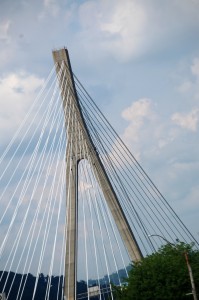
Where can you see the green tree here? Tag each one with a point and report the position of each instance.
(162, 275)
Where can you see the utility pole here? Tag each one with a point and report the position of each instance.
(191, 276)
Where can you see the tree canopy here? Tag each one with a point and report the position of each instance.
(162, 275)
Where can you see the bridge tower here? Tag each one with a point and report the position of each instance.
(78, 135)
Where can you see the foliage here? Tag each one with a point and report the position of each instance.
(162, 275)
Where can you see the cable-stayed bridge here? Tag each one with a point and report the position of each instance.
(75, 203)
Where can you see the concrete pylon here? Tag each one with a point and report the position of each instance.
(66, 80)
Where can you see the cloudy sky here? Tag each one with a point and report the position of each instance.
(139, 60)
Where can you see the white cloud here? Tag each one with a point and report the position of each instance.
(52, 7)
(126, 25)
(138, 110)
(120, 29)
(136, 114)
(189, 79)
(195, 67)
(150, 136)
(117, 26)
(17, 92)
(188, 121)
(163, 140)
(131, 28)
(161, 149)
(185, 86)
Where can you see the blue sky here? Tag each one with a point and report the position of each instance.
(139, 60)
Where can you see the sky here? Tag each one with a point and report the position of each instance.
(139, 60)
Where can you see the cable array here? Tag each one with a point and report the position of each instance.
(147, 210)
(32, 212)
(36, 197)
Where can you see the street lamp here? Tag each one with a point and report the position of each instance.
(188, 265)
(150, 235)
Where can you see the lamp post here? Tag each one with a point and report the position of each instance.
(187, 262)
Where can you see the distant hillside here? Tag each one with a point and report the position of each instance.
(29, 286)
(17, 280)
